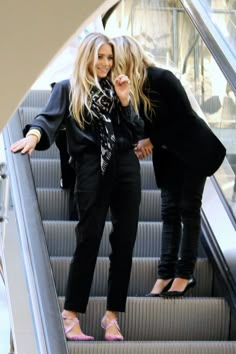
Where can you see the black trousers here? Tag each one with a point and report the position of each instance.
(181, 196)
(181, 204)
(119, 189)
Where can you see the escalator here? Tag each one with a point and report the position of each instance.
(202, 322)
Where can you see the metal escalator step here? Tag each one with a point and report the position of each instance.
(47, 173)
(27, 114)
(147, 175)
(36, 98)
(60, 237)
(54, 204)
(156, 319)
(51, 153)
(153, 347)
(143, 276)
(61, 241)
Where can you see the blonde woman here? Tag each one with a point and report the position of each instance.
(101, 129)
(185, 152)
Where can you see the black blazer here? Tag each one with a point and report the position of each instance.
(175, 129)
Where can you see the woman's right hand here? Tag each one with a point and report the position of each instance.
(122, 88)
(143, 148)
(25, 145)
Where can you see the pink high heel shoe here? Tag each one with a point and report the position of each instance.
(69, 327)
(105, 324)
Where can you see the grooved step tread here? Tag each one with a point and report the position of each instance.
(47, 173)
(143, 276)
(153, 347)
(54, 204)
(162, 319)
(61, 240)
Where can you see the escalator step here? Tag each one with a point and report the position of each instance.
(60, 237)
(195, 319)
(47, 173)
(143, 276)
(153, 347)
(54, 204)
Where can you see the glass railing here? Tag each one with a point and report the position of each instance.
(215, 21)
(164, 28)
(223, 17)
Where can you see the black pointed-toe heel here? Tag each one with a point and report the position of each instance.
(152, 295)
(167, 287)
(191, 283)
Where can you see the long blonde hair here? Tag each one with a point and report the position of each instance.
(82, 80)
(132, 60)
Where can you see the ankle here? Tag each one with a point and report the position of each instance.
(160, 285)
(66, 314)
(179, 284)
(109, 322)
(111, 315)
(110, 325)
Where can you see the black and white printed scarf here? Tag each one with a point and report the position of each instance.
(101, 106)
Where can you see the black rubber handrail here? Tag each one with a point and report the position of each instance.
(31, 232)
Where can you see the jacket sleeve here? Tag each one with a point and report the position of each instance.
(49, 120)
(133, 121)
(185, 134)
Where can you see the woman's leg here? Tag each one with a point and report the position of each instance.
(125, 212)
(88, 234)
(191, 200)
(171, 231)
(170, 240)
(125, 203)
(89, 231)
(93, 201)
(168, 171)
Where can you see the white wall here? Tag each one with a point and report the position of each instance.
(31, 34)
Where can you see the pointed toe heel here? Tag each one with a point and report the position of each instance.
(167, 287)
(152, 295)
(68, 328)
(170, 294)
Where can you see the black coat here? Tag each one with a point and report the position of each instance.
(179, 135)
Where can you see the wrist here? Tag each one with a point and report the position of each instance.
(36, 133)
(125, 102)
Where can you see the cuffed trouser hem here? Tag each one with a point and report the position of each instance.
(115, 308)
(184, 276)
(75, 308)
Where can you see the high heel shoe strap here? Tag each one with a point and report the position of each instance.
(69, 327)
(106, 324)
